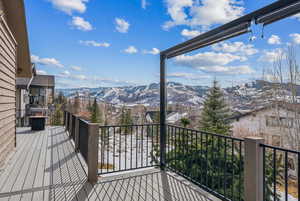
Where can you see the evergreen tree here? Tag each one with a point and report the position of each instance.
(76, 107)
(89, 106)
(209, 160)
(61, 99)
(58, 115)
(95, 113)
(156, 118)
(215, 112)
(125, 119)
(185, 122)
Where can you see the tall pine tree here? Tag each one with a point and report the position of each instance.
(215, 112)
(95, 113)
(125, 119)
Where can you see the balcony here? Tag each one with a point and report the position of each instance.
(84, 161)
(46, 167)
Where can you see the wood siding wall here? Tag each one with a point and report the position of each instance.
(7, 90)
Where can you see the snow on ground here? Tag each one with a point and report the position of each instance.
(290, 197)
(126, 151)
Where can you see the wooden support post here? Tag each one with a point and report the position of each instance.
(253, 169)
(92, 160)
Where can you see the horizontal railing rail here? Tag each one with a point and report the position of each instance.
(214, 162)
(85, 136)
(128, 147)
(227, 167)
(83, 139)
(281, 173)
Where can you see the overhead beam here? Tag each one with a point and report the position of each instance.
(195, 43)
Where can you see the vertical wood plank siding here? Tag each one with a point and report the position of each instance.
(7, 89)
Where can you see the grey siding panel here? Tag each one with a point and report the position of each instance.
(7, 92)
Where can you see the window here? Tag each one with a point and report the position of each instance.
(291, 164)
(276, 140)
(38, 96)
(286, 122)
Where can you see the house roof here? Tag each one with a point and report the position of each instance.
(285, 105)
(38, 81)
(16, 20)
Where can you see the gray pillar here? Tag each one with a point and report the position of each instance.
(253, 169)
(163, 102)
(92, 161)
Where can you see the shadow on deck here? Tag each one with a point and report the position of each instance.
(45, 167)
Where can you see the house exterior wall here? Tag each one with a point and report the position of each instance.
(258, 124)
(7, 89)
(255, 124)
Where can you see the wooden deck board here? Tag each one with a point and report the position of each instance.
(45, 167)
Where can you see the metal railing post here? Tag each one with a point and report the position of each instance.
(76, 134)
(92, 160)
(67, 121)
(70, 124)
(253, 175)
(163, 102)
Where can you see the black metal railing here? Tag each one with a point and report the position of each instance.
(83, 138)
(72, 129)
(212, 161)
(280, 173)
(128, 147)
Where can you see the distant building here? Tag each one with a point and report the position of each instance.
(34, 97)
(278, 124)
(172, 117)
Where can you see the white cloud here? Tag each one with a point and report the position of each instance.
(144, 4)
(81, 24)
(274, 40)
(131, 50)
(204, 13)
(70, 6)
(297, 16)
(122, 26)
(207, 59)
(66, 74)
(216, 12)
(41, 72)
(112, 81)
(272, 55)
(188, 76)
(227, 70)
(79, 77)
(190, 33)
(176, 10)
(94, 43)
(46, 61)
(295, 38)
(236, 47)
(76, 68)
(153, 51)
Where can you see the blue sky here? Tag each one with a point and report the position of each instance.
(92, 43)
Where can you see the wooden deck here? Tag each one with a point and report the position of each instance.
(45, 167)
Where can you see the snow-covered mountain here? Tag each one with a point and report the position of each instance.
(242, 97)
(144, 94)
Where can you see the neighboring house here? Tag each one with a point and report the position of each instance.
(14, 62)
(172, 117)
(34, 97)
(278, 124)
